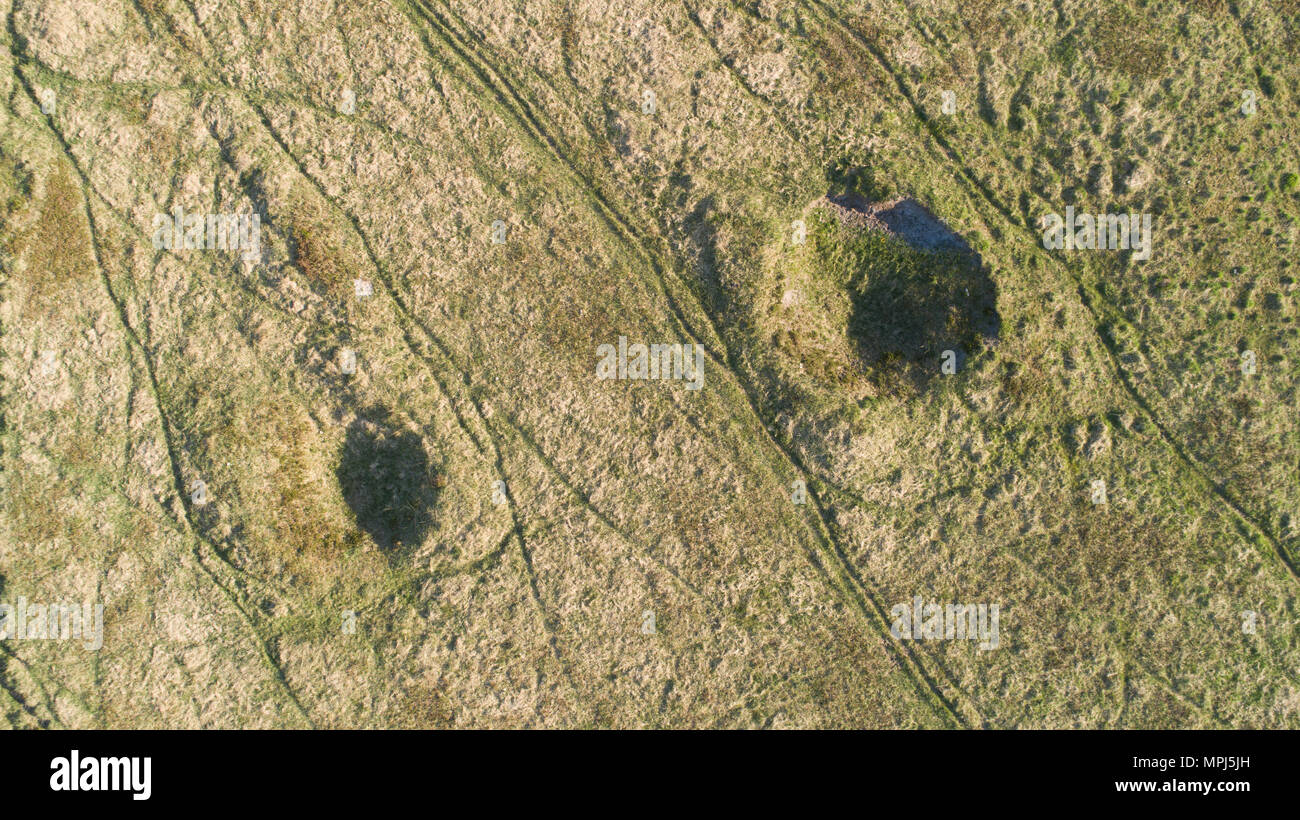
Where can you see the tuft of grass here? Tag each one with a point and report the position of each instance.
(55, 249)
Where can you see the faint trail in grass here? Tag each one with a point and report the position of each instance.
(134, 382)
(1099, 307)
(409, 320)
(992, 199)
(17, 697)
(1254, 530)
(1129, 654)
(178, 481)
(693, 15)
(844, 576)
(418, 144)
(584, 500)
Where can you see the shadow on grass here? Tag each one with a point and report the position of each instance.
(386, 480)
(917, 290)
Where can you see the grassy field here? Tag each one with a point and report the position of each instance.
(419, 506)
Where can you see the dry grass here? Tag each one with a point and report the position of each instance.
(543, 512)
